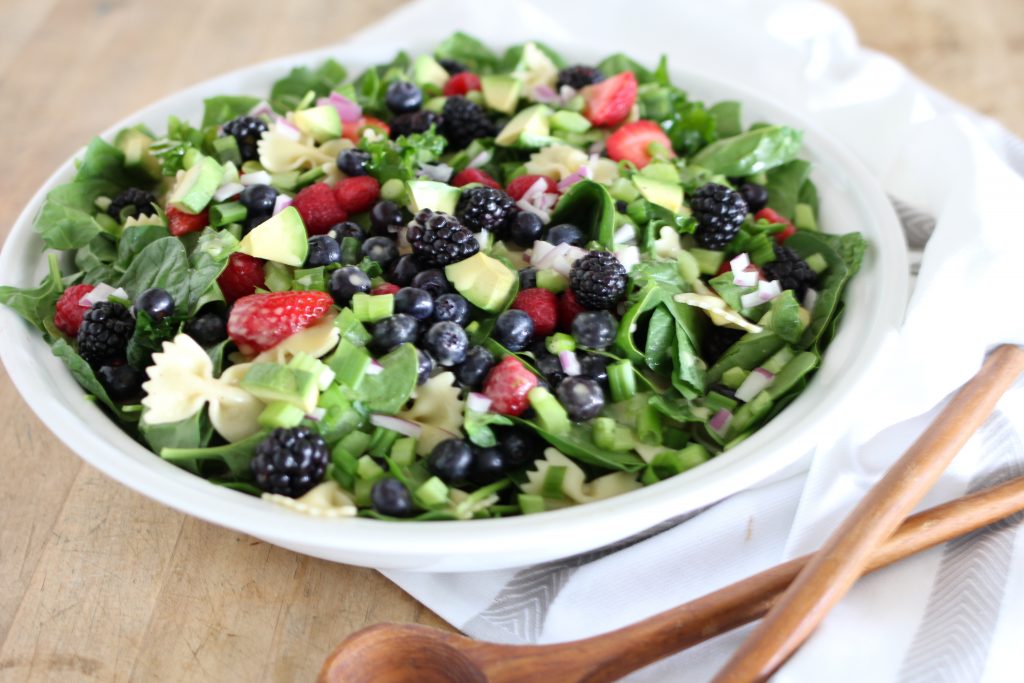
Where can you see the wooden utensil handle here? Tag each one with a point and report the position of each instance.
(846, 554)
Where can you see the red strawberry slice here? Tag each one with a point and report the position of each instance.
(461, 83)
(180, 223)
(262, 321)
(508, 385)
(474, 175)
(542, 307)
(354, 131)
(68, 314)
(609, 102)
(568, 309)
(241, 277)
(773, 216)
(632, 142)
(357, 194)
(319, 208)
(518, 187)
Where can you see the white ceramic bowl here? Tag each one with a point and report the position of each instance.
(850, 200)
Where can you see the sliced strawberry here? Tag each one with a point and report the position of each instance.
(773, 216)
(632, 142)
(568, 309)
(609, 102)
(262, 321)
(474, 175)
(319, 208)
(357, 194)
(68, 313)
(461, 83)
(354, 131)
(180, 223)
(508, 385)
(385, 288)
(518, 187)
(542, 307)
(241, 277)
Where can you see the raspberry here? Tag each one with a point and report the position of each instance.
(542, 307)
(461, 83)
(261, 321)
(384, 288)
(180, 223)
(319, 208)
(598, 280)
(568, 309)
(474, 175)
(508, 385)
(518, 187)
(358, 194)
(241, 277)
(719, 213)
(69, 313)
(773, 216)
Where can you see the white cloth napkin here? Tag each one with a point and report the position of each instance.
(951, 614)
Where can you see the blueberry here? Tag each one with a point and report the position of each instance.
(452, 307)
(595, 367)
(755, 196)
(386, 217)
(621, 206)
(519, 445)
(352, 162)
(207, 328)
(347, 281)
(527, 278)
(594, 329)
(340, 231)
(258, 199)
(566, 233)
(581, 396)
(488, 465)
(525, 229)
(380, 249)
(403, 96)
(433, 281)
(155, 302)
(323, 251)
(447, 343)
(393, 331)
(403, 270)
(451, 461)
(122, 382)
(390, 497)
(426, 366)
(415, 302)
(549, 366)
(513, 329)
(472, 371)
(253, 219)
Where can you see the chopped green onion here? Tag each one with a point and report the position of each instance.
(621, 380)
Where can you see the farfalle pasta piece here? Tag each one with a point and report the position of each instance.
(235, 415)
(323, 500)
(280, 153)
(719, 311)
(574, 484)
(438, 409)
(556, 161)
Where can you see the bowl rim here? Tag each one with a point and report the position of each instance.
(366, 539)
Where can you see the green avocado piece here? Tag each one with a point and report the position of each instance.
(570, 121)
(667, 195)
(197, 187)
(321, 123)
(134, 144)
(486, 282)
(501, 92)
(281, 238)
(529, 128)
(271, 382)
(430, 194)
(427, 71)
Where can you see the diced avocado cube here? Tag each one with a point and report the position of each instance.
(271, 382)
(432, 493)
(134, 144)
(529, 128)
(427, 71)
(817, 263)
(552, 280)
(501, 92)
(667, 195)
(277, 276)
(662, 171)
(803, 217)
(281, 238)
(551, 416)
(280, 414)
(570, 121)
(433, 195)
(484, 281)
(321, 123)
(530, 504)
(197, 187)
(708, 260)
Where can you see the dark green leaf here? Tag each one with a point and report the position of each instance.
(162, 263)
(579, 445)
(747, 353)
(286, 93)
(727, 118)
(192, 432)
(35, 304)
(784, 185)
(660, 342)
(785, 318)
(617, 63)
(751, 152)
(236, 456)
(468, 50)
(218, 110)
(387, 391)
(510, 60)
(843, 255)
(208, 260)
(102, 161)
(148, 337)
(136, 238)
(401, 158)
(66, 219)
(85, 376)
(478, 427)
(588, 206)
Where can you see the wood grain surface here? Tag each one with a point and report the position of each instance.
(98, 583)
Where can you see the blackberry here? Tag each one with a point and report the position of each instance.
(791, 271)
(290, 462)
(452, 66)
(463, 121)
(104, 333)
(247, 131)
(578, 76)
(598, 280)
(122, 382)
(485, 208)
(438, 239)
(414, 122)
(140, 201)
(719, 212)
(717, 340)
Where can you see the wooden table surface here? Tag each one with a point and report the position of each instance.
(99, 583)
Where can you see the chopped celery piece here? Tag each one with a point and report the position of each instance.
(817, 263)
(560, 341)
(778, 360)
(403, 451)
(611, 436)
(708, 261)
(432, 493)
(382, 441)
(307, 177)
(530, 504)
(277, 276)
(280, 414)
(671, 463)
(349, 363)
(751, 412)
(716, 401)
(689, 268)
(370, 308)
(552, 280)
(368, 468)
(553, 478)
(648, 426)
(356, 442)
(551, 416)
(621, 380)
(226, 150)
(394, 190)
(733, 377)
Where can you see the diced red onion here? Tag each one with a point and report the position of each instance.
(282, 202)
(720, 421)
(769, 289)
(477, 402)
(751, 299)
(810, 298)
(627, 233)
(480, 159)
(561, 266)
(628, 256)
(227, 190)
(596, 147)
(287, 128)
(396, 424)
(255, 178)
(575, 254)
(481, 237)
(540, 213)
(317, 414)
(261, 108)
(540, 248)
(546, 94)
(554, 254)
(438, 172)
(740, 263)
(538, 188)
(348, 111)
(583, 172)
(570, 363)
(99, 293)
(754, 384)
(746, 278)
(546, 200)
(567, 92)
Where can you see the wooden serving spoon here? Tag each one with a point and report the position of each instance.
(409, 653)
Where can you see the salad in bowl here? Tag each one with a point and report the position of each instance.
(460, 285)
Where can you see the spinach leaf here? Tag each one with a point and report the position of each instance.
(181, 138)
(843, 255)
(674, 408)
(727, 118)
(579, 445)
(785, 317)
(466, 49)
(478, 427)
(103, 161)
(747, 353)
(66, 219)
(387, 391)
(732, 293)
(589, 206)
(208, 260)
(236, 456)
(136, 238)
(95, 260)
(218, 110)
(784, 185)
(192, 432)
(751, 152)
(36, 304)
(287, 93)
(162, 263)
(660, 342)
(148, 337)
(689, 375)
(617, 63)
(809, 196)
(510, 60)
